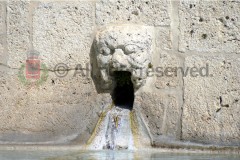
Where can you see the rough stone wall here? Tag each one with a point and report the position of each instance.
(188, 33)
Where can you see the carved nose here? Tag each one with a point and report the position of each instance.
(119, 59)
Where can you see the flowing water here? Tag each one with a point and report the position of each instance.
(119, 134)
(113, 131)
(111, 155)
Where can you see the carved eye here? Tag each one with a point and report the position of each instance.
(105, 51)
(131, 49)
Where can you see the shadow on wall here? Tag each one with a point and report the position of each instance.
(95, 71)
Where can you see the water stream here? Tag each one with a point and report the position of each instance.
(113, 130)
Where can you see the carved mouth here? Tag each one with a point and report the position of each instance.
(137, 74)
(123, 92)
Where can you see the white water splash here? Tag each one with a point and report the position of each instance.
(114, 131)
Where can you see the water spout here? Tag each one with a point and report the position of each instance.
(113, 130)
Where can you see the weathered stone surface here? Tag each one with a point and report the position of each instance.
(150, 12)
(18, 32)
(58, 111)
(161, 112)
(2, 17)
(124, 48)
(167, 73)
(62, 32)
(2, 51)
(163, 38)
(165, 60)
(211, 104)
(3, 34)
(209, 26)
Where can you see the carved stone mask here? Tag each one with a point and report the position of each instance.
(124, 48)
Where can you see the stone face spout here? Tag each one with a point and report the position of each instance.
(120, 60)
(124, 48)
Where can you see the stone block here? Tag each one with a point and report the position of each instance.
(149, 12)
(209, 26)
(63, 31)
(163, 38)
(161, 112)
(3, 54)
(167, 71)
(211, 103)
(2, 17)
(18, 32)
